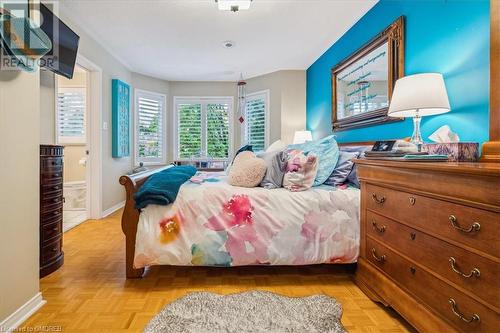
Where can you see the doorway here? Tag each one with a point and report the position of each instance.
(72, 132)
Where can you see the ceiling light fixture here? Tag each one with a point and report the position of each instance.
(233, 5)
(228, 44)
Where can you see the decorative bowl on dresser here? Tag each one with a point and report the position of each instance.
(51, 208)
(430, 242)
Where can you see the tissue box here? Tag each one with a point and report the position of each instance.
(458, 152)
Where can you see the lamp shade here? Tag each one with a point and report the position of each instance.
(302, 136)
(419, 95)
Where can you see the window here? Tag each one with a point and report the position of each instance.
(203, 128)
(150, 138)
(71, 115)
(256, 124)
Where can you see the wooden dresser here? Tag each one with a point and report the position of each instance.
(51, 208)
(430, 242)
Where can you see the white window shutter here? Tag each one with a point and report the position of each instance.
(71, 104)
(255, 125)
(150, 127)
(218, 130)
(204, 128)
(189, 129)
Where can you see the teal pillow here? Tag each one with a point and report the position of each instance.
(327, 151)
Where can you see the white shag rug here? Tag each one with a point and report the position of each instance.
(253, 311)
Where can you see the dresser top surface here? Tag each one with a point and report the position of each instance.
(485, 169)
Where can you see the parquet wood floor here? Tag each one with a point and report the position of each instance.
(90, 292)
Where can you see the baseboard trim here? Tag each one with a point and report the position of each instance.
(12, 322)
(112, 209)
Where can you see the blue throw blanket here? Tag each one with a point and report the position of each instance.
(162, 187)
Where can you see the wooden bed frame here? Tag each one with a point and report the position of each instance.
(130, 217)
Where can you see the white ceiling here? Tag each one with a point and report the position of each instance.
(182, 39)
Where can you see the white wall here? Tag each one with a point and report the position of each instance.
(73, 170)
(287, 110)
(287, 106)
(19, 193)
(287, 99)
(112, 168)
(47, 108)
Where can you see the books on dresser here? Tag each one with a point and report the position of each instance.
(430, 242)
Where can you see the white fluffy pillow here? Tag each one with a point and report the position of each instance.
(276, 146)
(247, 170)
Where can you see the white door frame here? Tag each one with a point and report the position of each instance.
(94, 136)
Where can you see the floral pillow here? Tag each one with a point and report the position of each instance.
(327, 152)
(301, 170)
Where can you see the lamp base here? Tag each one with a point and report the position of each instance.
(416, 137)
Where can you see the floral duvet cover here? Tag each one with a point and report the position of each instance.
(212, 223)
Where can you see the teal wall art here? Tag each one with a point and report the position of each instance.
(120, 114)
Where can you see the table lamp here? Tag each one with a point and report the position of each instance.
(302, 136)
(417, 96)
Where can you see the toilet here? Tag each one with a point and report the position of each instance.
(75, 195)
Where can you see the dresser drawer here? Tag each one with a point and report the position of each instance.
(50, 251)
(49, 232)
(49, 178)
(50, 207)
(52, 199)
(51, 215)
(51, 163)
(51, 188)
(442, 298)
(466, 225)
(50, 196)
(449, 261)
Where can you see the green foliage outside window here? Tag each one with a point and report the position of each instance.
(217, 131)
(148, 144)
(189, 129)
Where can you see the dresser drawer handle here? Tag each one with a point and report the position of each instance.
(55, 229)
(380, 230)
(377, 200)
(474, 272)
(56, 200)
(57, 213)
(55, 175)
(454, 223)
(55, 249)
(412, 201)
(55, 188)
(382, 258)
(456, 312)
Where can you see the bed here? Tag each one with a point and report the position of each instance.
(212, 223)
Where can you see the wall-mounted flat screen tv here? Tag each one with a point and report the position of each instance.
(62, 58)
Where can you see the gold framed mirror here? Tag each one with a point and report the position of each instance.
(362, 84)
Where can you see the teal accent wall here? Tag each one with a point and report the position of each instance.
(451, 37)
